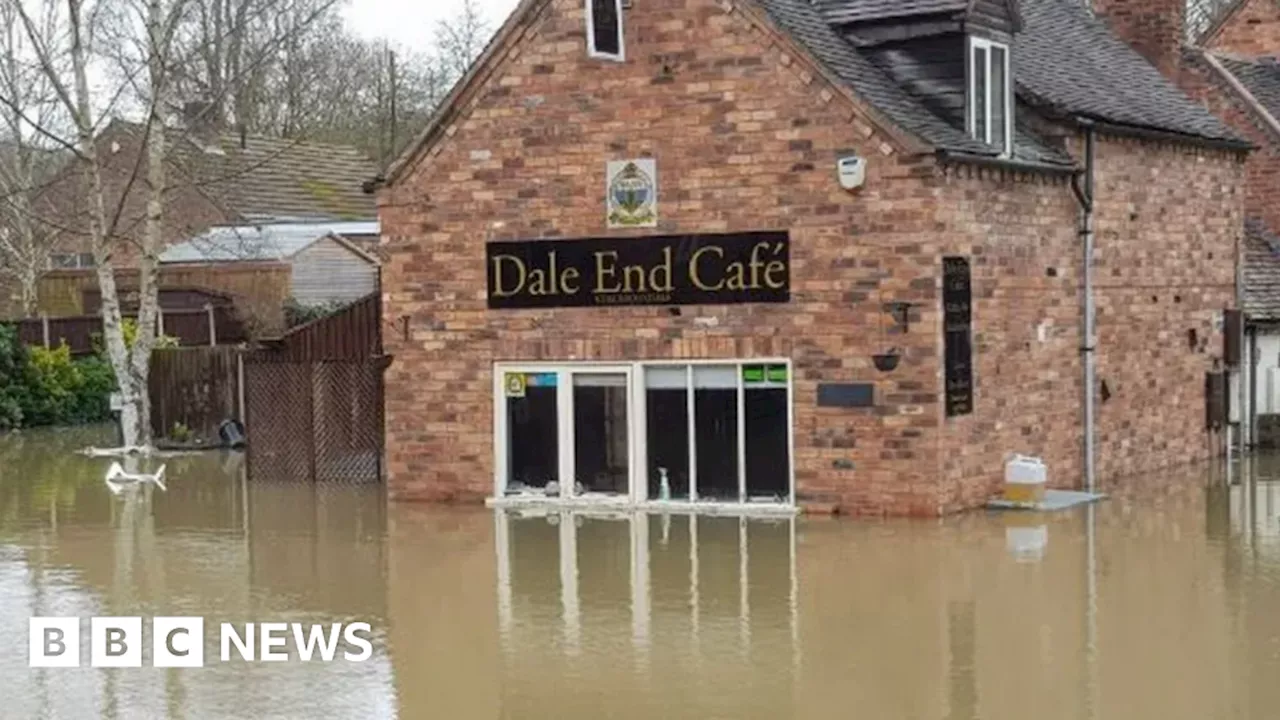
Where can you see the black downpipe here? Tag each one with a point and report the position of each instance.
(1083, 185)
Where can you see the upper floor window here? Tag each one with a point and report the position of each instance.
(75, 261)
(989, 100)
(604, 29)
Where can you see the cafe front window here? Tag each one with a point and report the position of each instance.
(710, 434)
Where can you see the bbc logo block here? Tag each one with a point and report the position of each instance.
(179, 642)
(54, 642)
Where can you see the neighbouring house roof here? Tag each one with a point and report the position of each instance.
(266, 242)
(1261, 272)
(261, 177)
(1260, 76)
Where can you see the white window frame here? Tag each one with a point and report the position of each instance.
(78, 261)
(638, 495)
(621, 56)
(972, 103)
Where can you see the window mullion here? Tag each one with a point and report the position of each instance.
(986, 94)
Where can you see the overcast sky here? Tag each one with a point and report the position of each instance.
(412, 22)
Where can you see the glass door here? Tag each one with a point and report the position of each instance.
(530, 411)
(601, 431)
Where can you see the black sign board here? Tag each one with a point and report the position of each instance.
(731, 268)
(957, 318)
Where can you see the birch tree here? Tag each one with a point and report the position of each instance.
(25, 160)
(143, 30)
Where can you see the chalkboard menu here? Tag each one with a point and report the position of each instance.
(957, 313)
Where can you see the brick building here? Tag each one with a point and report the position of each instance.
(1233, 69)
(781, 252)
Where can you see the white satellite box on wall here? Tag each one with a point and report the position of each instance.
(852, 171)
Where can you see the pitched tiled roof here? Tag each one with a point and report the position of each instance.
(1261, 77)
(806, 24)
(1066, 61)
(1261, 272)
(262, 178)
(868, 10)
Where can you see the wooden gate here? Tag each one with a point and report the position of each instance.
(313, 400)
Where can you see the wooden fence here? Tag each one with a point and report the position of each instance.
(259, 290)
(314, 400)
(212, 326)
(353, 333)
(194, 387)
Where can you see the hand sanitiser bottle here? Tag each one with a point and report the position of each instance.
(664, 487)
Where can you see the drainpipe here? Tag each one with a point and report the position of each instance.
(1253, 387)
(1082, 184)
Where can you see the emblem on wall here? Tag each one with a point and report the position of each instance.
(633, 193)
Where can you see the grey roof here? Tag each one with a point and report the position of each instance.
(1261, 77)
(257, 176)
(1065, 62)
(873, 10)
(1261, 272)
(249, 243)
(1068, 59)
(806, 24)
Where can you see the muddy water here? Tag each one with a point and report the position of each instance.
(1162, 608)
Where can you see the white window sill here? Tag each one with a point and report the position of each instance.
(610, 502)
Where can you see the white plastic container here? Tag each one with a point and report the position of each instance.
(1024, 479)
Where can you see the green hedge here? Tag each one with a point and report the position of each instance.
(39, 386)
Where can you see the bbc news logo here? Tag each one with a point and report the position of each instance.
(178, 642)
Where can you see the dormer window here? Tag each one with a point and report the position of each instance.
(604, 29)
(989, 101)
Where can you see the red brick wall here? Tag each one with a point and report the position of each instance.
(745, 136)
(1169, 221)
(1027, 392)
(1153, 27)
(1253, 31)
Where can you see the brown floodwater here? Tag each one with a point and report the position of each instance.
(1167, 607)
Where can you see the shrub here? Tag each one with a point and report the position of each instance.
(12, 364)
(62, 391)
(296, 313)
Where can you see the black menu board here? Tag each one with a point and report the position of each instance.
(957, 314)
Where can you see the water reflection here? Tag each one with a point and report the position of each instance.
(1164, 607)
(211, 546)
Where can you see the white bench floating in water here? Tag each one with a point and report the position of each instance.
(1053, 500)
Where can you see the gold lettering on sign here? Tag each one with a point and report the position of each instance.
(570, 275)
(606, 270)
(694, 274)
(499, 288)
(664, 285)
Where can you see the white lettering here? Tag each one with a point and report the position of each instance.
(316, 637)
(243, 645)
(363, 643)
(268, 641)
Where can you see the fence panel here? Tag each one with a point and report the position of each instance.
(346, 398)
(190, 327)
(278, 420)
(353, 333)
(314, 400)
(196, 387)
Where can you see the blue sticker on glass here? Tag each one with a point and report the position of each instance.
(543, 380)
